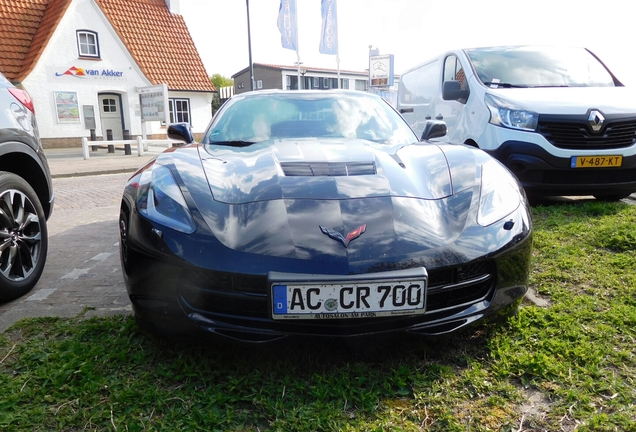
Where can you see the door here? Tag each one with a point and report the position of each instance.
(417, 95)
(111, 115)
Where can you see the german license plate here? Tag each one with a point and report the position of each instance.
(596, 161)
(359, 299)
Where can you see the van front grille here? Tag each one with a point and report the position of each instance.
(575, 133)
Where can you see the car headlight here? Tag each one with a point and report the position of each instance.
(161, 200)
(504, 113)
(499, 195)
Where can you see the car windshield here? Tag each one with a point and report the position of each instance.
(539, 67)
(262, 116)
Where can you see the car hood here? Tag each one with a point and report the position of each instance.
(326, 169)
(571, 100)
(421, 201)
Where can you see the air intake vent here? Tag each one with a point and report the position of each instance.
(328, 169)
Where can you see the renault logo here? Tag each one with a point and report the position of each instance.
(596, 120)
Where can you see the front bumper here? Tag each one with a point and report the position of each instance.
(543, 173)
(239, 306)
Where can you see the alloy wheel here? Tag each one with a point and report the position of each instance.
(20, 236)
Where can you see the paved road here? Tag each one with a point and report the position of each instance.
(82, 269)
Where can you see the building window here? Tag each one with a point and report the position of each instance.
(179, 110)
(87, 44)
(259, 84)
(109, 105)
(316, 82)
(292, 82)
(362, 85)
(344, 83)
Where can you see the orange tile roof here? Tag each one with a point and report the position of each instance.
(25, 28)
(159, 42)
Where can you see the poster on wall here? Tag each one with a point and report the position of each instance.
(66, 107)
(154, 101)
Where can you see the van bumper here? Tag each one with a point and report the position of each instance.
(542, 173)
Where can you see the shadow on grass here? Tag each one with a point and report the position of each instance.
(317, 353)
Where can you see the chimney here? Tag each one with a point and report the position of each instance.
(173, 7)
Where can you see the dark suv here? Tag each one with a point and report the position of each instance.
(26, 194)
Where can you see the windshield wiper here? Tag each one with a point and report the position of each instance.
(233, 143)
(504, 85)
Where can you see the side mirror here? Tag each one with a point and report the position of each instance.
(433, 129)
(181, 132)
(452, 90)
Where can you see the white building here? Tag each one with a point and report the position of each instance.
(84, 62)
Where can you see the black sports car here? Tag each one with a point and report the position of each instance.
(321, 213)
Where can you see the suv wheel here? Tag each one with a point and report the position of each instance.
(23, 237)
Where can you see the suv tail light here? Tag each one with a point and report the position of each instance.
(24, 98)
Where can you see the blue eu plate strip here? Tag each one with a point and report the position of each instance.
(280, 299)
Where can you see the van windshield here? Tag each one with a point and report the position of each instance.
(538, 66)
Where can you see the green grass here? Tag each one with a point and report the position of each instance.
(567, 366)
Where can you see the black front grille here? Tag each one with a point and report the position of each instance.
(220, 281)
(332, 169)
(577, 134)
(247, 295)
(459, 286)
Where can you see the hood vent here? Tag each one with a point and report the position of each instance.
(328, 169)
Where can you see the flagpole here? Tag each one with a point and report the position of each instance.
(297, 46)
(338, 50)
(249, 45)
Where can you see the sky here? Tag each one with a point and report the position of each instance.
(411, 30)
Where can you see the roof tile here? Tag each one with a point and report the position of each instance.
(160, 43)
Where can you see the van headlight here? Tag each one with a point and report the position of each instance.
(505, 113)
(499, 194)
(160, 200)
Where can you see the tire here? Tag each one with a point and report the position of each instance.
(23, 237)
(612, 197)
(123, 241)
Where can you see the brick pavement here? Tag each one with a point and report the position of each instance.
(82, 273)
(82, 269)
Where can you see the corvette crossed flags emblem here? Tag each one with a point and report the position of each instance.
(342, 239)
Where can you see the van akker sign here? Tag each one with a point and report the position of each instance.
(88, 73)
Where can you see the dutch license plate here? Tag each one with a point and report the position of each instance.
(348, 300)
(596, 161)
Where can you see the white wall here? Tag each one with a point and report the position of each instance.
(200, 108)
(61, 54)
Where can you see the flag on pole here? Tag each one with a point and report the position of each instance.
(287, 24)
(329, 36)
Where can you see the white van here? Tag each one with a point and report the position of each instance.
(555, 116)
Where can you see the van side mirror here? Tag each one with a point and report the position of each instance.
(433, 129)
(452, 90)
(181, 132)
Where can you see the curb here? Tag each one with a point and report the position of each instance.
(92, 173)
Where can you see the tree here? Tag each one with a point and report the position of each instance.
(219, 81)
